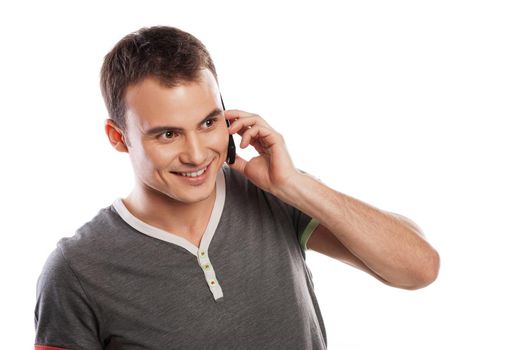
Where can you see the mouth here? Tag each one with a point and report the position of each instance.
(194, 173)
(196, 176)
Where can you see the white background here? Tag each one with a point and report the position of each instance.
(411, 106)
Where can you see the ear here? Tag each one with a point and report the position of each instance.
(115, 136)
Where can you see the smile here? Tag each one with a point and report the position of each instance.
(192, 174)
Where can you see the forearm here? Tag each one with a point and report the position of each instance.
(386, 243)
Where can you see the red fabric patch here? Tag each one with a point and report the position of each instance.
(43, 347)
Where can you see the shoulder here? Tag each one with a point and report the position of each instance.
(55, 269)
(93, 235)
(89, 248)
(87, 238)
(64, 286)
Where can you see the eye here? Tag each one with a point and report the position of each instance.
(209, 123)
(169, 134)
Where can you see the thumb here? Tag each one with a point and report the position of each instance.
(239, 164)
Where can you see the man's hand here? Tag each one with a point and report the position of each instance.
(273, 169)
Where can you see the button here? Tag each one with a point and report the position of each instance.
(206, 267)
(212, 282)
(202, 253)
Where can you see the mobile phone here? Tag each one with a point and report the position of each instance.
(231, 148)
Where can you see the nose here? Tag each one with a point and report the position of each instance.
(193, 151)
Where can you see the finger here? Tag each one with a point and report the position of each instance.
(259, 137)
(248, 135)
(236, 113)
(240, 125)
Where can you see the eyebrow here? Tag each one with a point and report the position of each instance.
(159, 129)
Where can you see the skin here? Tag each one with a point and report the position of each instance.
(386, 245)
(158, 192)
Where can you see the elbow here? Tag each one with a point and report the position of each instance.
(431, 270)
(427, 271)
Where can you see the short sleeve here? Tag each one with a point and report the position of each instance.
(64, 317)
(304, 226)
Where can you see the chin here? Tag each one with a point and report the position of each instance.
(191, 197)
(186, 191)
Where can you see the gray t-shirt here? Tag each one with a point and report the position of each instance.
(120, 283)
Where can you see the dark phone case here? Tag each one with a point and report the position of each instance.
(231, 149)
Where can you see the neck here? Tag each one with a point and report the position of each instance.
(185, 219)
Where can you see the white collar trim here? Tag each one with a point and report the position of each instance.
(163, 235)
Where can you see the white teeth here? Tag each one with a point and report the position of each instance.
(194, 174)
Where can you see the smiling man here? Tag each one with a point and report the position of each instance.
(179, 144)
(208, 249)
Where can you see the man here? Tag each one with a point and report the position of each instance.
(208, 249)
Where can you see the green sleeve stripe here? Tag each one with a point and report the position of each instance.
(308, 232)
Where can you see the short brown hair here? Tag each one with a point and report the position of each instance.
(166, 53)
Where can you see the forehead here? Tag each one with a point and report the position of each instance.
(149, 103)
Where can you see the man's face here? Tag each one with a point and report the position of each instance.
(177, 137)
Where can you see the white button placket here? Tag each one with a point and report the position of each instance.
(201, 252)
(210, 276)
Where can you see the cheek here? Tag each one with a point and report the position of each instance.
(157, 157)
(219, 140)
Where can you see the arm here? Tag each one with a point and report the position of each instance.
(386, 245)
